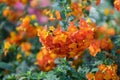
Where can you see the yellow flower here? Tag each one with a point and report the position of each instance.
(89, 20)
(18, 56)
(61, 37)
(24, 1)
(51, 28)
(7, 45)
(33, 17)
(27, 53)
(13, 35)
(106, 12)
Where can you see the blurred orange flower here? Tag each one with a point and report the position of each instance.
(98, 2)
(90, 76)
(45, 59)
(26, 47)
(117, 4)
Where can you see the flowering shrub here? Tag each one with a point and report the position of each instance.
(59, 39)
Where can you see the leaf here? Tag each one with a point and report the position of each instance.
(51, 76)
(94, 70)
(4, 65)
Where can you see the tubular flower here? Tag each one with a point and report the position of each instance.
(90, 76)
(105, 30)
(99, 76)
(58, 16)
(14, 38)
(105, 72)
(26, 28)
(26, 47)
(62, 41)
(24, 32)
(11, 14)
(117, 4)
(45, 59)
(51, 15)
(7, 45)
(94, 48)
(72, 42)
(77, 9)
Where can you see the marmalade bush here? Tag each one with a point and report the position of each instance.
(59, 39)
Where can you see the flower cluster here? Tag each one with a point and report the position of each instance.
(78, 7)
(70, 43)
(105, 72)
(18, 8)
(24, 32)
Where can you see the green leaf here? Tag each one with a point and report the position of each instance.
(4, 65)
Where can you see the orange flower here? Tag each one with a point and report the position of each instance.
(24, 1)
(94, 48)
(90, 76)
(51, 17)
(6, 11)
(72, 42)
(99, 76)
(11, 14)
(10, 2)
(15, 38)
(105, 30)
(105, 73)
(26, 47)
(26, 28)
(98, 2)
(106, 44)
(108, 74)
(62, 37)
(102, 67)
(58, 16)
(117, 4)
(43, 33)
(73, 45)
(45, 59)
(111, 31)
(72, 28)
(76, 10)
(118, 51)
